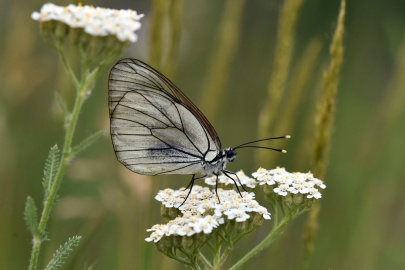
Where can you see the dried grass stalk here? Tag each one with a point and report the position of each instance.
(175, 16)
(324, 122)
(159, 11)
(283, 53)
(387, 114)
(301, 76)
(219, 67)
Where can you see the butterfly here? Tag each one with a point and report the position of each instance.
(155, 129)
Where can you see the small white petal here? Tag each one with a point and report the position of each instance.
(35, 16)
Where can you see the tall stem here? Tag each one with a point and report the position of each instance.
(36, 245)
(49, 201)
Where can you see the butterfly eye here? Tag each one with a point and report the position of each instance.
(230, 155)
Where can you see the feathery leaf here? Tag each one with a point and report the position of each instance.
(31, 216)
(62, 253)
(51, 168)
(62, 105)
(86, 143)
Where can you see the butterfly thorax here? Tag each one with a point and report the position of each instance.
(219, 162)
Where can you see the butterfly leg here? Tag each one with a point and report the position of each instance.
(191, 184)
(224, 172)
(216, 187)
(191, 188)
(192, 181)
(236, 178)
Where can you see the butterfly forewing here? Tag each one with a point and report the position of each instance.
(155, 129)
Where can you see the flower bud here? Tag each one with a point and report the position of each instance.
(96, 45)
(201, 238)
(268, 190)
(160, 246)
(257, 221)
(241, 226)
(298, 199)
(309, 202)
(84, 41)
(168, 242)
(74, 35)
(61, 32)
(48, 27)
(164, 211)
(187, 243)
(177, 241)
(288, 200)
(174, 212)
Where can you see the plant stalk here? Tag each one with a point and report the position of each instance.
(222, 259)
(273, 235)
(80, 95)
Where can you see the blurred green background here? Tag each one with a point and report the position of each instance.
(361, 223)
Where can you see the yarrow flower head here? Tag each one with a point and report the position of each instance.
(292, 187)
(94, 21)
(203, 214)
(196, 215)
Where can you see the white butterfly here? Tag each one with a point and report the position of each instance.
(155, 129)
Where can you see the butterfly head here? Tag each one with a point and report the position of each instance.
(230, 154)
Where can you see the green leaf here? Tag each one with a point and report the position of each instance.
(62, 253)
(51, 168)
(86, 143)
(31, 216)
(62, 105)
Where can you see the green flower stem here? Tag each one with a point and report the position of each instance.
(180, 260)
(68, 67)
(204, 260)
(273, 235)
(82, 88)
(211, 246)
(217, 249)
(236, 240)
(275, 216)
(222, 259)
(36, 245)
(223, 239)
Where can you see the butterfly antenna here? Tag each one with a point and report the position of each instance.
(275, 149)
(275, 138)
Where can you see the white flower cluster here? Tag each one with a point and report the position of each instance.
(284, 182)
(184, 226)
(95, 21)
(223, 179)
(200, 202)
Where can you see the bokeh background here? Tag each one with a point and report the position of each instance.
(361, 223)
